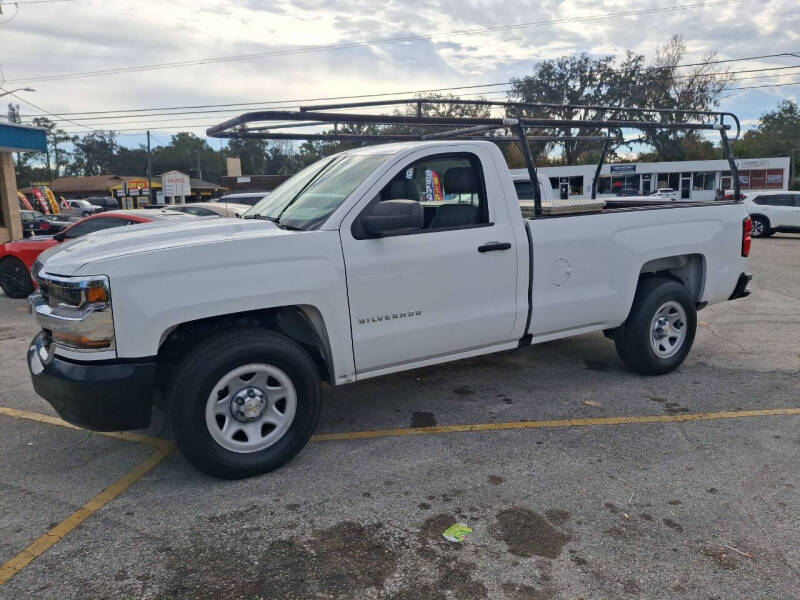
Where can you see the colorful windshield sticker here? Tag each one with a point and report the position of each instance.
(433, 186)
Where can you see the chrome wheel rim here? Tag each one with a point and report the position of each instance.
(668, 329)
(251, 408)
(757, 228)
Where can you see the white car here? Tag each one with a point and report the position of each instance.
(773, 212)
(249, 198)
(666, 194)
(212, 209)
(373, 261)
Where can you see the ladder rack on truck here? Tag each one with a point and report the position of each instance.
(513, 126)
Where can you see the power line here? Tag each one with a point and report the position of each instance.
(377, 42)
(23, 2)
(277, 103)
(149, 116)
(36, 106)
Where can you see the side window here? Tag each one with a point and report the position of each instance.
(524, 190)
(780, 200)
(449, 187)
(796, 198)
(92, 225)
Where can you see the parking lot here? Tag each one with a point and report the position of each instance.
(578, 478)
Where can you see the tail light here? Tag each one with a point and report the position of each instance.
(44, 226)
(747, 239)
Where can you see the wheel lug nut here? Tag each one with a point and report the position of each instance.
(240, 401)
(250, 393)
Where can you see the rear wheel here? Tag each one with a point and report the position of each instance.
(761, 228)
(659, 332)
(15, 279)
(243, 402)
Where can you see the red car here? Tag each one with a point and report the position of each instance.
(17, 257)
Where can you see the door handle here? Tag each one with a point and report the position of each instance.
(494, 246)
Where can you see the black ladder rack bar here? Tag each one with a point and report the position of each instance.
(469, 128)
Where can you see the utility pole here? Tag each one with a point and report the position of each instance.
(149, 172)
(199, 168)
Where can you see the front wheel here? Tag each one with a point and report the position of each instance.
(660, 329)
(15, 279)
(244, 402)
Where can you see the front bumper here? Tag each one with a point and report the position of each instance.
(105, 396)
(742, 288)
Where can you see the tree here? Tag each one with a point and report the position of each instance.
(777, 134)
(583, 80)
(56, 156)
(687, 88)
(95, 154)
(251, 152)
(183, 153)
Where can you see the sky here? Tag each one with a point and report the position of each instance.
(293, 40)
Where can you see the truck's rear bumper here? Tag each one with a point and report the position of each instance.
(106, 396)
(742, 288)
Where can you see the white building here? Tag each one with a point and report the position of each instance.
(696, 179)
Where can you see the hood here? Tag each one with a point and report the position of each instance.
(69, 257)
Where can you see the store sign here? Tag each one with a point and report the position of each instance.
(623, 168)
(754, 164)
(175, 183)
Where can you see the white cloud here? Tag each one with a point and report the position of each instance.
(106, 34)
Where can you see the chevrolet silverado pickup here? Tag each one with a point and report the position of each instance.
(372, 261)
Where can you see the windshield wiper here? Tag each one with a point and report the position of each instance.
(275, 220)
(261, 217)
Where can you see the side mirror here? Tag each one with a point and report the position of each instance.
(60, 236)
(393, 216)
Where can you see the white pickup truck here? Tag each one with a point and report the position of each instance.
(373, 261)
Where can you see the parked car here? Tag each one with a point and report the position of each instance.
(629, 192)
(666, 193)
(773, 212)
(212, 209)
(17, 258)
(353, 271)
(104, 202)
(36, 223)
(81, 208)
(249, 198)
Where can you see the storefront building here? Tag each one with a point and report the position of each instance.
(14, 138)
(695, 180)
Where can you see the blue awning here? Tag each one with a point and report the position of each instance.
(20, 138)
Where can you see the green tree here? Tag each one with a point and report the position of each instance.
(251, 152)
(57, 157)
(95, 154)
(777, 134)
(583, 80)
(184, 152)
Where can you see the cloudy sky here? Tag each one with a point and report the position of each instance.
(293, 39)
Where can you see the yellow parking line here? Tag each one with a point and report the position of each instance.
(164, 447)
(125, 436)
(600, 421)
(52, 537)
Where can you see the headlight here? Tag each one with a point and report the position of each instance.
(76, 311)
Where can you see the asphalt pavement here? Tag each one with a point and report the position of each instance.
(698, 498)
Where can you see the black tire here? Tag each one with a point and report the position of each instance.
(15, 279)
(202, 368)
(633, 339)
(761, 228)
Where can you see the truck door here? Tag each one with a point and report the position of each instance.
(446, 287)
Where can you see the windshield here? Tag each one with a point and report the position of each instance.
(83, 202)
(306, 200)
